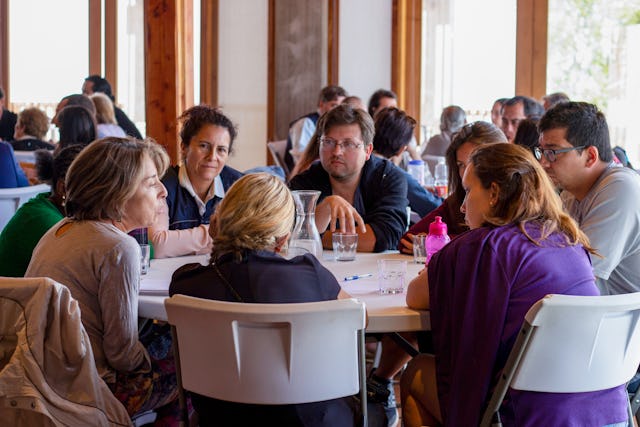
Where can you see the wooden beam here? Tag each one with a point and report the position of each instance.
(95, 37)
(333, 41)
(271, 77)
(111, 44)
(168, 61)
(209, 39)
(4, 51)
(406, 54)
(531, 48)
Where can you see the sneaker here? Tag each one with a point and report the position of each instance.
(380, 390)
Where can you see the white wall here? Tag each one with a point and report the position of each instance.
(365, 46)
(243, 67)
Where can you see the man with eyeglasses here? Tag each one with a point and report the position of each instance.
(360, 192)
(601, 196)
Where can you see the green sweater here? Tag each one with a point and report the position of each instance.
(23, 232)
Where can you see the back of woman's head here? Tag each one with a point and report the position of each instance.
(195, 118)
(77, 126)
(393, 131)
(106, 174)
(257, 210)
(527, 134)
(104, 108)
(525, 192)
(476, 133)
(52, 169)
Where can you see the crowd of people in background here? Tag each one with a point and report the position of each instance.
(537, 189)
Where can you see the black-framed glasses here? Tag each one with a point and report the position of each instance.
(551, 155)
(346, 144)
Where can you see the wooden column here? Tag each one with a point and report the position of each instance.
(95, 37)
(168, 69)
(531, 48)
(209, 13)
(111, 45)
(406, 54)
(4, 50)
(333, 43)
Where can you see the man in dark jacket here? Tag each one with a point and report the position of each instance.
(360, 193)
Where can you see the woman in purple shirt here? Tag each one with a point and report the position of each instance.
(521, 247)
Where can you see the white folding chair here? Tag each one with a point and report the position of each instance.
(12, 198)
(278, 150)
(572, 344)
(271, 354)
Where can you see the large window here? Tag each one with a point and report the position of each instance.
(593, 56)
(469, 50)
(49, 49)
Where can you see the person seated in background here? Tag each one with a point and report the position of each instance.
(478, 289)
(527, 134)
(451, 121)
(30, 131)
(393, 132)
(7, 120)
(554, 98)
(105, 116)
(383, 98)
(197, 186)
(74, 99)
(464, 142)
(95, 83)
(515, 110)
(113, 186)
(355, 102)
(23, 232)
(249, 229)
(11, 174)
(575, 150)
(76, 125)
(302, 128)
(359, 192)
(496, 111)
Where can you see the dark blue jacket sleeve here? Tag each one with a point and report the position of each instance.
(421, 201)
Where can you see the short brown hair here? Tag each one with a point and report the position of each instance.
(34, 121)
(345, 114)
(106, 174)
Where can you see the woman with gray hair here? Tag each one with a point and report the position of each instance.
(112, 187)
(451, 121)
(249, 229)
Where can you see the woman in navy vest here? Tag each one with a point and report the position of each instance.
(197, 185)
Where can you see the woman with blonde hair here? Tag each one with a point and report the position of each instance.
(249, 229)
(106, 116)
(521, 247)
(112, 187)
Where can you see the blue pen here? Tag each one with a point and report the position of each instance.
(357, 276)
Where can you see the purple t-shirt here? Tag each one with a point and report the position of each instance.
(481, 285)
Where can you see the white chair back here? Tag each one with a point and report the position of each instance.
(278, 150)
(269, 353)
(25, 156)
(573, 344)
(12, 198)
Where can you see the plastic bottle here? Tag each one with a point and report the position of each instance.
(437, 237)
(416, 170)
(441, 182)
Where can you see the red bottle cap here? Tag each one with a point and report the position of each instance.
(437, 227)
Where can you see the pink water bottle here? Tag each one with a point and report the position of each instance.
(437, 237)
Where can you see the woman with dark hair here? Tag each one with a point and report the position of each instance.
(77, 126)
(478, 289)
(38, 215)
(394, 130)
(197, 186)
(112, 187)
(527, 134)
(463, 143)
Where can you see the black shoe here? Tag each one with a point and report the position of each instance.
(380, 390)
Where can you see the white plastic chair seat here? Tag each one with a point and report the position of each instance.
(12, 198)
(278, 150)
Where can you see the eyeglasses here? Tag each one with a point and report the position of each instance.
(346, 145)
(551, 155)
